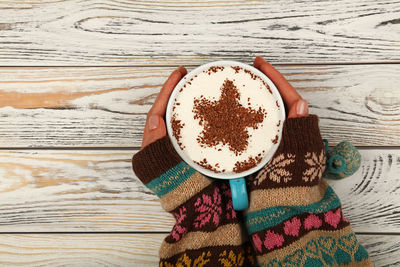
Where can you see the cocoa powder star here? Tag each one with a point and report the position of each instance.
(226, 121)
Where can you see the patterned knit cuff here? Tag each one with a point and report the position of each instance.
(301, 134)
(155, 159)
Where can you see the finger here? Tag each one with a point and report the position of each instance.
(286, 90)
(161, 102)
(152, 135)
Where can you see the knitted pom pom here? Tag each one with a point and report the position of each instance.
(343, 160)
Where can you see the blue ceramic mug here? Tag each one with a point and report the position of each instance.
(236, 180)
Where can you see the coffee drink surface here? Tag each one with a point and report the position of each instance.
(225, 119)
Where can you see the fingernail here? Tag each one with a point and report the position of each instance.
(153, 122)
(302, 108)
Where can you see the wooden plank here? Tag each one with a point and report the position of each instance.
(370, 198)
(42, 107)
(384, 250)
(106, 107)
(131, 249)
(69, 190)
(77, 32)
(84, 191)
(79, 249)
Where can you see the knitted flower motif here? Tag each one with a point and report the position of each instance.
(166, 264)
(230, 212)
(231, 259)
(202, 260)
(276, 169)
(316, 163)
(184, 261)
(179, 231)
(209, 209)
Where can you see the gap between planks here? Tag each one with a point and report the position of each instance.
(72, 148)
(87, 233)
(138, 148)
(195, 65)
(146, 233)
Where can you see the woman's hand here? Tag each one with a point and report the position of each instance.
(297, 106)
(155, 125)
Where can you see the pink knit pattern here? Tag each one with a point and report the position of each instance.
(179, 231)
(208, 209)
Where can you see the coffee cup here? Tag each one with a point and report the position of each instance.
(257, 112)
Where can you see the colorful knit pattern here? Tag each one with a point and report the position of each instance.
(325, 250)
(207, 231)
(294, 218)
(213, 256)
(303, 225)
(343, 160)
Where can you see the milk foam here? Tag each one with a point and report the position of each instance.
(208, 85)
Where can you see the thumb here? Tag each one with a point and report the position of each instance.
(154, 130)
(299, 109)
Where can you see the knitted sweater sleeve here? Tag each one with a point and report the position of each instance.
(294, 217)
(207, 231)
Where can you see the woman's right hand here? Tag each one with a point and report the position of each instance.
(297, 106)
(155, 126)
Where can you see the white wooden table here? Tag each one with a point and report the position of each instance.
(77, 78)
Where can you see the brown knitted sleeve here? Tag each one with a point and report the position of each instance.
(301, 134)
(207, 231)
(155, 159)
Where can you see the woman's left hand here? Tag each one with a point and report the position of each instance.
(297, 106)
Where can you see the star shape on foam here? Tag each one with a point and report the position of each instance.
(226, 121)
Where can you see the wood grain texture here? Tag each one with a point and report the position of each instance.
(75, 106)
(86, 191)
(131, 249)
(75, 191)
(370, 198)
(114, 32)
(384, 250)
(106, 107)
(79, 249)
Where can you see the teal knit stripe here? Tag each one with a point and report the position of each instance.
(171, 179)
(263, 219)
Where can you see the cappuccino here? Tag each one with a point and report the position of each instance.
(225, 119)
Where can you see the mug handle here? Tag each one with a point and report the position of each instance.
(240, 199)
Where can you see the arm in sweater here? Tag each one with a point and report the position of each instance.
(207, 231)
(294, 217)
